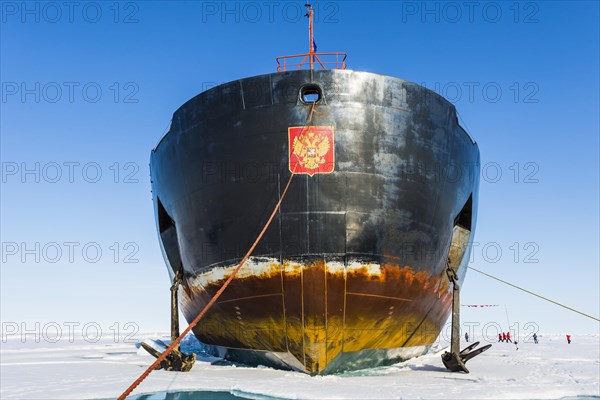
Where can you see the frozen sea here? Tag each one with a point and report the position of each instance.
(551, 369)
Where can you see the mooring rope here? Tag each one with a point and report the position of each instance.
(164, 355)
(536, 295)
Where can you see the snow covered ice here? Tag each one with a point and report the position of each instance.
(552, 369)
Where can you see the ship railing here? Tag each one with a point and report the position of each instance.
(336, 60)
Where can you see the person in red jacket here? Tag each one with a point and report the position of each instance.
(503, 337)
(500, 337)
(508, 337)
(569, 339)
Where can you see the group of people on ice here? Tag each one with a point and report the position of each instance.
(504, 337)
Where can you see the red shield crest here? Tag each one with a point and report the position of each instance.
(311, 149)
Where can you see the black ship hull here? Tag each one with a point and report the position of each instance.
(351, 272)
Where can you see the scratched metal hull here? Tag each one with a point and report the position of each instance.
(350, 273)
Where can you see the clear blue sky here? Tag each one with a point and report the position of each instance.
(524, 77)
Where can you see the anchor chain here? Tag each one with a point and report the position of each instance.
(455, 359)
(175, 360)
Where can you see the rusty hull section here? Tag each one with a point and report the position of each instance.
(317, 310)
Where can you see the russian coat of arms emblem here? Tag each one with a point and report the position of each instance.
(311, 149)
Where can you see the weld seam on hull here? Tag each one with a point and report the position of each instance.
(376, 295)
(250, 297)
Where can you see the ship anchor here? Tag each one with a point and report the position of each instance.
(175, 360)
(455, 359)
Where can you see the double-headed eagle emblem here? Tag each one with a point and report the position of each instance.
(311, 149)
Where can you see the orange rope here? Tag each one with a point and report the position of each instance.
(164, 355)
